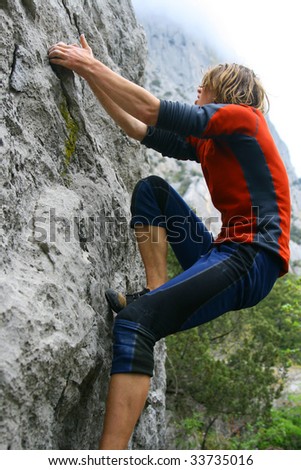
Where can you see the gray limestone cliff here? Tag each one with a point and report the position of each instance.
(67, 173)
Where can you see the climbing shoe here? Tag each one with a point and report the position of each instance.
(118, 301)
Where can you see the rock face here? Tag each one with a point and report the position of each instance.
(67, 175)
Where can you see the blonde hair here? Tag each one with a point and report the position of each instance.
(236, 84)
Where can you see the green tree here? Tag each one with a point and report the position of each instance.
(282, 431)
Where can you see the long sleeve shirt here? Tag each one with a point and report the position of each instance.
(244, 172)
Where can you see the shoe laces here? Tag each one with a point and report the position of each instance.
(136, 295)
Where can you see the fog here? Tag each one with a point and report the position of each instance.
(193, 17)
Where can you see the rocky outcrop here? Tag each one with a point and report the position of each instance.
(67, 175)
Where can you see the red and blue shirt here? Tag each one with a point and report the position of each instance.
(244, 171)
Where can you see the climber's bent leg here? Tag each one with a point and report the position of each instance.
(230, 277)
(160, 215)
(156, 204)
(152, 244)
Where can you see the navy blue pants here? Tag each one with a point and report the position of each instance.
(217, 278)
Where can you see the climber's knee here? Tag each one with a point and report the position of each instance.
(149, 201)
(132, 349)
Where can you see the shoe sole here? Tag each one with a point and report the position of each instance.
(116, 300)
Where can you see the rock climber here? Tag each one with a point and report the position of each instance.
(226, 132)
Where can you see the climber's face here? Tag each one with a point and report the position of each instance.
(205, 96)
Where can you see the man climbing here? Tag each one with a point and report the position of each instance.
(226, 132)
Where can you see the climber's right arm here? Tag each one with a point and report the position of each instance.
(129, 124)
(130, 97)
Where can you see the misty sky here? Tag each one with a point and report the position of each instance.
(262, 34)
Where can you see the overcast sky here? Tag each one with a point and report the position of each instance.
(262, 34)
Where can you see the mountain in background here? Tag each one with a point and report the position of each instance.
(176, 62)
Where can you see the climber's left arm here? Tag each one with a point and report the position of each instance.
(130, 97)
